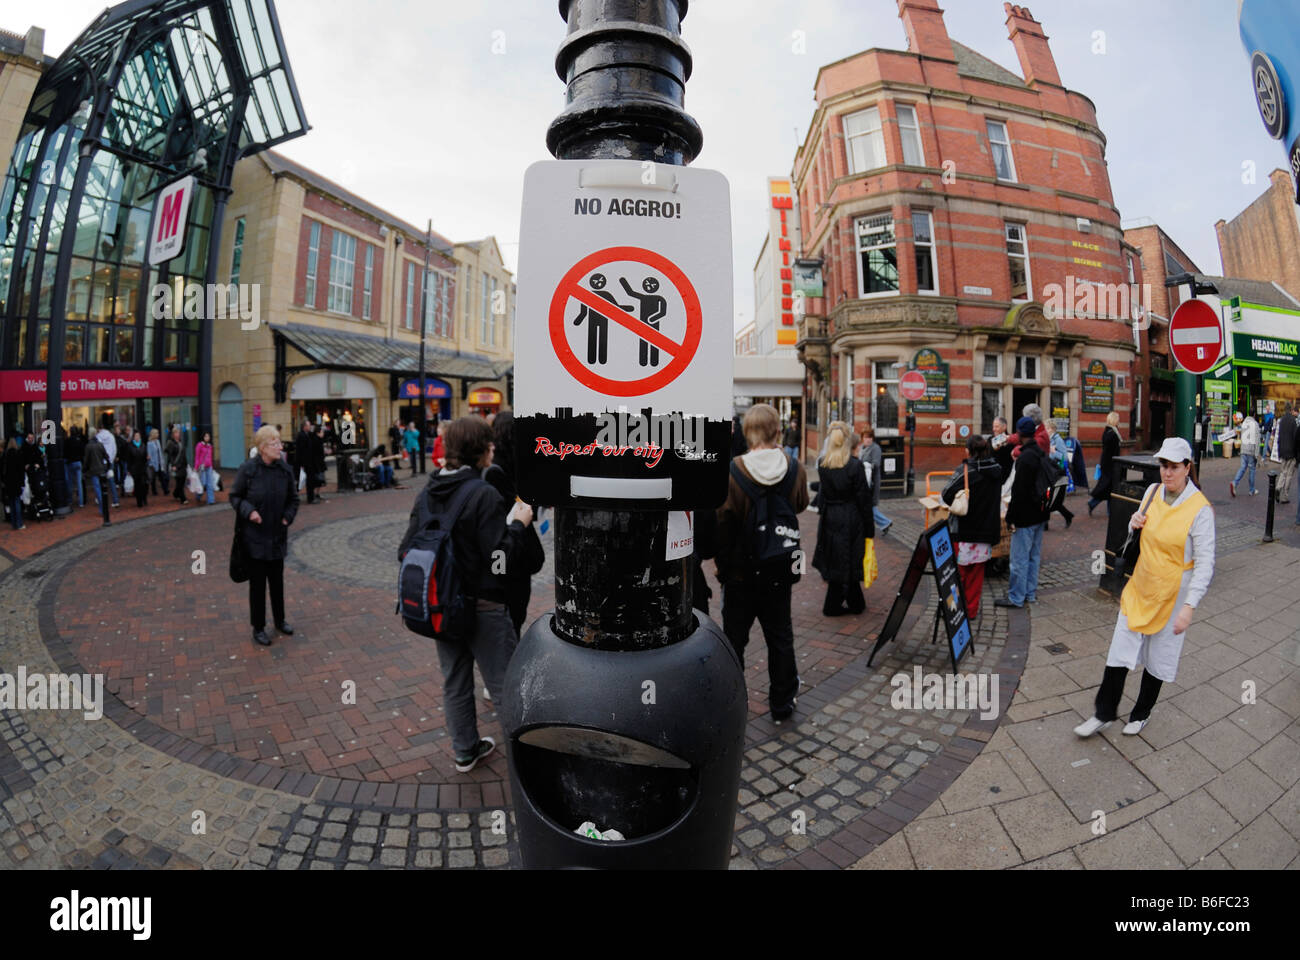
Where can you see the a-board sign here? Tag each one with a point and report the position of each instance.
(624, 344)
(934, 548)
(1098, 389)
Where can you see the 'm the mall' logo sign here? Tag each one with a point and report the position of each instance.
(170, 216)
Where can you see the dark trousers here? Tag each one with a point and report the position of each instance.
(841, 595)
(1112, 688)
(770, 604)
(261, 574)
(312, 496)
(102, 485)
(179, 492)
(141, 491)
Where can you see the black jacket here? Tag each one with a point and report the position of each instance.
(518, 578)
(1003, 457)
(177, 462)
(479, 532)
(1286, 437)
(1109, 451)
(983, 521)
(272, 490)
(137, 462)
(74, 448)
(95, 460)
(1026, 506)
(14, 474)
(845, 522)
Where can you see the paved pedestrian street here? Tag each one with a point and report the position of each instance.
(328, 750)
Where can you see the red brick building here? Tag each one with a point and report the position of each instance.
(957, 207)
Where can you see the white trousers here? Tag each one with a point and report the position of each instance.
(1157, 652)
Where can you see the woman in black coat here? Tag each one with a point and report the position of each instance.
(265, 496)
(178, 464)
(501, 474)
(137, 465)
(981, 528)
(1110, 441)
(844, 524)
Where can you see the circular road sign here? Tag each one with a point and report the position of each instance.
(1196, 336)
(681, 352)
(912, 385)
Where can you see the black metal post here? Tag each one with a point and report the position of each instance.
(911, 450)
(424, 322)
(1272, 504)
(626, 68)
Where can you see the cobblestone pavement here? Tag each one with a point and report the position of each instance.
(204, 728)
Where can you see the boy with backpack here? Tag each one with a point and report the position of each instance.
(759, 557)
(462, 540)
(1034, 487)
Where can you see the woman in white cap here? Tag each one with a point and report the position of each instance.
(1172, 574)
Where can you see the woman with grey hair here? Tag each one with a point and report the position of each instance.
(265, 497)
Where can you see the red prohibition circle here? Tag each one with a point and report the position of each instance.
(626, 388)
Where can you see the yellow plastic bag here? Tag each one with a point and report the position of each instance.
(870, 570)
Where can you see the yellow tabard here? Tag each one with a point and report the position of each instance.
(1148, 599)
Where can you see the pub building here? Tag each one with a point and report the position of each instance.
(149, 96)
(955, 205)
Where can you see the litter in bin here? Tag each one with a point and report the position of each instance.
(589, 831)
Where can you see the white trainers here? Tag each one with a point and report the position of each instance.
(1090, 726)
(1134, 727)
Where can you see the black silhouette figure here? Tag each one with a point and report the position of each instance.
(598, 325)
(653, 309)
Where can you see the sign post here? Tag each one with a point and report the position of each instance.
(1196, 339)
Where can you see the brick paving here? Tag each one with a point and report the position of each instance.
(288, 776)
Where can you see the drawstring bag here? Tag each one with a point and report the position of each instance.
(961, 502)
(870, 569)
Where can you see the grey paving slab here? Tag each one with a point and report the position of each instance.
(1087, 774)
(963, 841)
(1135, 847)
(1280, 759)
(1224, 743)
(988, 780)
(1245, 791)
(1177, 770)
(1264, 845)
(1194, 826)
(1041, 825)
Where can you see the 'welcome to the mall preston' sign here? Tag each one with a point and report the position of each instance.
(1252, 348)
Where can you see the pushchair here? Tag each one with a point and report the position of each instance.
(38, 479)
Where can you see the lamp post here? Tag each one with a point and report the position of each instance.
(424, 324)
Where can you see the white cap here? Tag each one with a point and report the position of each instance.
(1175, 450)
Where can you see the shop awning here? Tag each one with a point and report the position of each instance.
(333, 350)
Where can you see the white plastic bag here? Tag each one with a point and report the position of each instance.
(128, 485)
(302, 479)
(192, 482)
(27, 492)
(588, 830)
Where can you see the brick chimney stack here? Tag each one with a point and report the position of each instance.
(1036, 60)
(926, 33)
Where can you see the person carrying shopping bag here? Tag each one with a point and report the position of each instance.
(1173, 572)
(974, 496)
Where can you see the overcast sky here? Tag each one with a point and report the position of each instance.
(411, 107)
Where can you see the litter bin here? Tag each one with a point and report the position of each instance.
(648, 743)
(893, 467)
(1129, 481)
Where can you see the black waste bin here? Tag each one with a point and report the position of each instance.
(1130, 478)
(648, 743)
(893, 467)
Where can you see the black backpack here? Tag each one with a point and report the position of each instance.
(1051, 484)
(430, 595)
(771, 537)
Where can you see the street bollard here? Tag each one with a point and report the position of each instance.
(1272, 503)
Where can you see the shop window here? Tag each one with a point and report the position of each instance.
(1000, 144)
(910, 131)
(409, 321)
(923, 234)
(878, 255)
(1018, 261)
(864, 141)
(1058, 401)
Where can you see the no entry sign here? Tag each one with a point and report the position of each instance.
(912, 385)
(623, 345)
(1196, 336)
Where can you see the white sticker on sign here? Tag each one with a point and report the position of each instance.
(681, 534)
(890, 463)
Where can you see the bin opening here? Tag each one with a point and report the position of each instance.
(575, 774)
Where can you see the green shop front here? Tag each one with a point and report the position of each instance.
(1266, 372)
